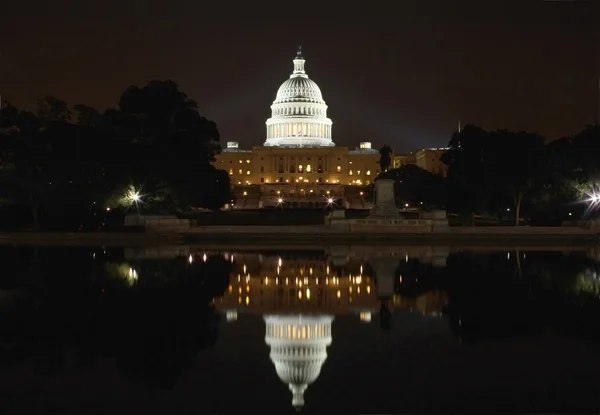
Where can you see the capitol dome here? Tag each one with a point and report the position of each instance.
(299, 113)
(299, 89)
(298, 349)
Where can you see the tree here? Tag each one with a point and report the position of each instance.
(86, 116)
(487, 168)
(171, 144)
(525, 171)
(469, 175)
(51, 109)
(26, 177)
(385, 161)
(417, 187)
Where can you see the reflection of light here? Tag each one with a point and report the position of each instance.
(279, 262)
(365, 316)
(247, 300)
(361, 269)
(204, 258)
(191, 259)
(244, 268)
(308, 294)
(339, 294)
(231, 315)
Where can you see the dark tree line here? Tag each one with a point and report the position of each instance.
(507, 174)
(75, 162)
(70, 301)
(509, 295)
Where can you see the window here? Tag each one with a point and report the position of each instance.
(339, 169)
(248, 161)
(300, 169)
(247, 172)
(368, 172)
(262, 169)
(350, 172)
(262, 179)
(308, 168)
(240, 171)
(240, 161)
(230, 171)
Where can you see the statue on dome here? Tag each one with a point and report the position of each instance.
(299, 52)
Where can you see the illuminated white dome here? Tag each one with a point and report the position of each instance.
(299, 89)
(298, 349)
(299, 114)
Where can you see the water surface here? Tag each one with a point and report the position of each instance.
(344, 330)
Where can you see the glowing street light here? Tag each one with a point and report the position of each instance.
(593, 199)
(330, 200)
(280, 200)
(134, 196)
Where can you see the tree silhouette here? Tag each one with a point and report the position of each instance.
(385, 159)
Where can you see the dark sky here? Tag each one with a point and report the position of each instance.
(401, 72)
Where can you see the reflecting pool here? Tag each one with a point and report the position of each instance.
(362, 329)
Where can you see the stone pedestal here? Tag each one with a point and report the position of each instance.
(439, 220)
(385, 199)
(337, 220)
(385, 271)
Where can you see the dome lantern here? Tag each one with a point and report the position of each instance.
(299, 64)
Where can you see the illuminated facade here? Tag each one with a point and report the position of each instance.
(429, 159)
(299, 164)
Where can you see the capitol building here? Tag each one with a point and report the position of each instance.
(299, 164)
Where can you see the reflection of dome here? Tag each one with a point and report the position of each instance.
(298, 349)
(299, 114)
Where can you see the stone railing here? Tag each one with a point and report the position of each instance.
(158, 223)
(391, 225)
(593, 224)
(427, 223)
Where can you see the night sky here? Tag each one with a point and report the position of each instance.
(402, 74)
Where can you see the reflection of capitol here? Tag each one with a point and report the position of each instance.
(299, 294)
(298, 349)
(263, 284)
